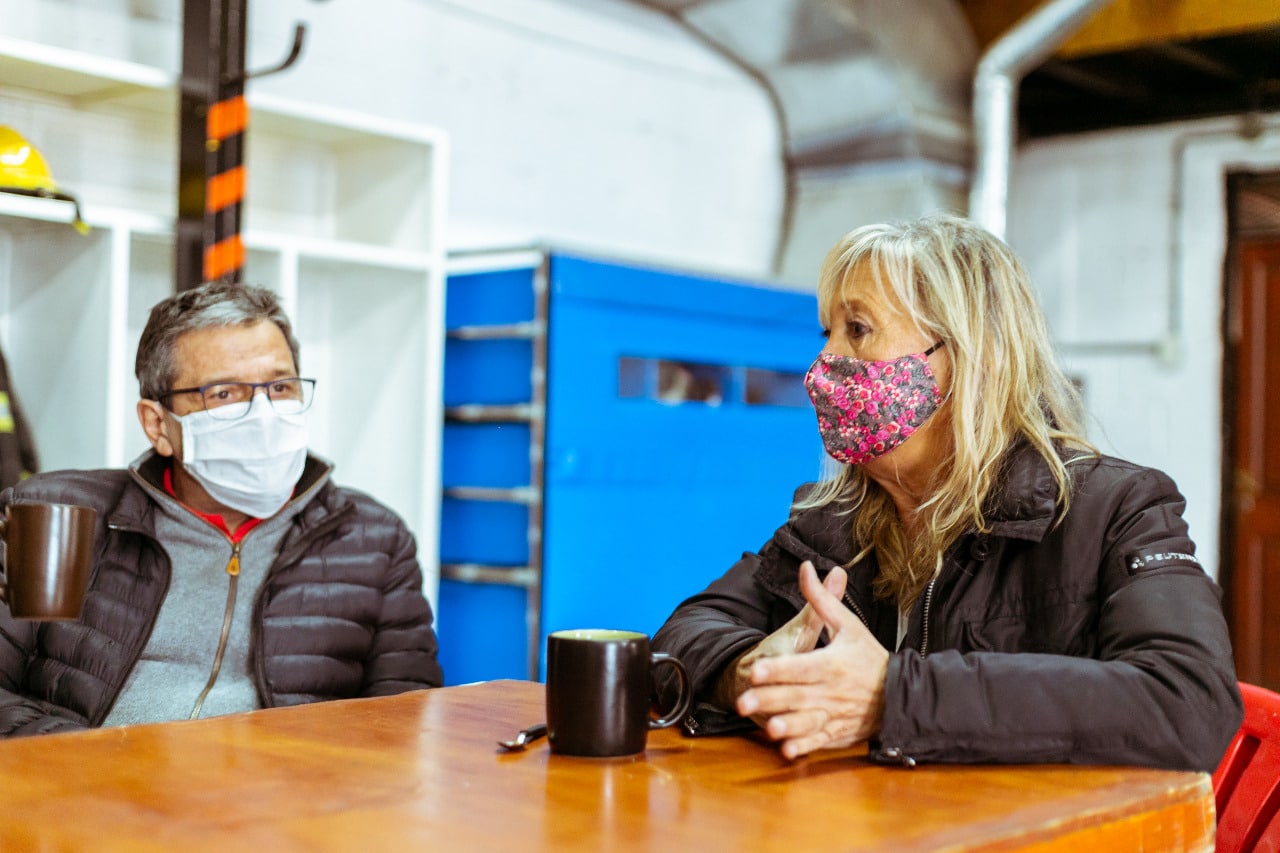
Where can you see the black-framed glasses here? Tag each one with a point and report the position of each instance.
(230, 401)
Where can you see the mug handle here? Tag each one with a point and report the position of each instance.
(685, 697)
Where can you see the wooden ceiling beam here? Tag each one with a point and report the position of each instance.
(1126, 24)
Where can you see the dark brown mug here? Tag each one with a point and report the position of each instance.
(47, 559)
(598, 688)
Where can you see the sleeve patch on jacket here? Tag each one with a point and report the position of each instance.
(1142, 561)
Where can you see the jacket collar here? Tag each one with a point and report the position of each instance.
(1025, 505)
(136, 506)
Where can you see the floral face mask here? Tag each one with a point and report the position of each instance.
(867, 408)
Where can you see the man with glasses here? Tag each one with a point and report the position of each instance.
(231, 572)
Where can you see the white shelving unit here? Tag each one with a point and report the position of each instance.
(344, 220)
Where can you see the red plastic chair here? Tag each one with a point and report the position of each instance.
(1246, 784)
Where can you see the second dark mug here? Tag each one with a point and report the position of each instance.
(48, 556)
(598, 688)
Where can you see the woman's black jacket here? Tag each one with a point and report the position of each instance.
(1096, 640)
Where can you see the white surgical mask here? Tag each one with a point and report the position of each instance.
(250, 464)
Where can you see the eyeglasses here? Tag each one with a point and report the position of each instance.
(230, 401)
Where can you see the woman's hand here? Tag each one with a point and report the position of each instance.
(829, 698)
(797, 636)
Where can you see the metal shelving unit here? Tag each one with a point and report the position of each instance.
(529, 413)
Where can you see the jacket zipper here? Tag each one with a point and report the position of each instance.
(892, 754)
(857, 611)
(233, 572)
(928, 604)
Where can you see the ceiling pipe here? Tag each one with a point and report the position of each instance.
(995, 100)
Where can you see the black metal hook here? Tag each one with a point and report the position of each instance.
(299, 34)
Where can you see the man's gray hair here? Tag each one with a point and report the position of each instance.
(214, 305)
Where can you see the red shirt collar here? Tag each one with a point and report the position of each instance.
(213, 518)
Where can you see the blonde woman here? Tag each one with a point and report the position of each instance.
(974, 583)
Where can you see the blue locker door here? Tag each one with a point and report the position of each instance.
(677, 432)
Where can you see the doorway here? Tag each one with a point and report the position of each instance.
(1250, 573)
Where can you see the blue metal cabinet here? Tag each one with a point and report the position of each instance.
(665, 435)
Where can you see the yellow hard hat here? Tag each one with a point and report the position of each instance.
(23, 170)
(21, 165)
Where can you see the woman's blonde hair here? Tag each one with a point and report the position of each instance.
(961, 285)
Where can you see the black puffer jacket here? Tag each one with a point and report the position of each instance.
(339, 615)
(1099, 640)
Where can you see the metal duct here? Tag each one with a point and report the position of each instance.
(873, 98)
(995, 99)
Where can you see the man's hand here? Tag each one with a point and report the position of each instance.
(829, 698)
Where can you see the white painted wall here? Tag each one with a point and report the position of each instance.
(595, 124)
(1125, 235)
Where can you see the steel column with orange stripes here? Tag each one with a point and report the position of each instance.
(214, 120)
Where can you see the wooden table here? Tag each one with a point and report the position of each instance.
(422, 771)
